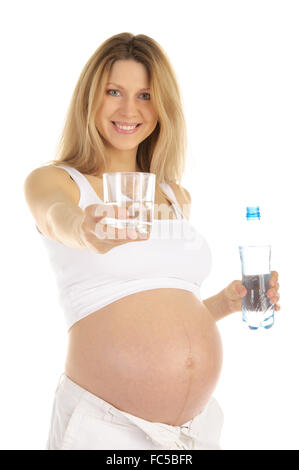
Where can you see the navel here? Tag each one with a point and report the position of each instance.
(189, 362)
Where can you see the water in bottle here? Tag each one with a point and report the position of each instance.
(255, 254)
(257, 309)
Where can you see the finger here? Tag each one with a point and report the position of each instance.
(123, 235)
(101, 230)
(273, 294)
(97, 211)
(276, 307)
(277, 286)
(108, 232)
(109, 210)
(274, 299)
(132, 234)
(274, 278)
(137, 236)
(127, 234)
(122, 212)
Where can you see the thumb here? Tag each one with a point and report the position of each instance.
(240, 289)
(235, 290)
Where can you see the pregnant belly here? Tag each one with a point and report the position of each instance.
(155, 354)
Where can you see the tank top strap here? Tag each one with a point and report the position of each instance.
(82, 182)
(169, 191)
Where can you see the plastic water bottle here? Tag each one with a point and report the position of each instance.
(255, 254)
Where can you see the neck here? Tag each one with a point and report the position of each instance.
(122, 160)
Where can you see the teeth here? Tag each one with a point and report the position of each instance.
(126, 128)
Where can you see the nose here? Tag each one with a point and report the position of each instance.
(129, 108)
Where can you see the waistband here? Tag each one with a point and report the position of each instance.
(187, 436)
(103, 405)
(81, 393)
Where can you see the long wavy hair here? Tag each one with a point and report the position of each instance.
(164, 151)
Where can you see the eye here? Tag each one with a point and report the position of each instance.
(116, 91)
(112, 90)
(147, 95)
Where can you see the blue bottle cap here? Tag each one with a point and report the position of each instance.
(253, 212)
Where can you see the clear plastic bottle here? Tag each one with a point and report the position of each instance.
(255, 254)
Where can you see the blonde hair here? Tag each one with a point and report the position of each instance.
(164, 151)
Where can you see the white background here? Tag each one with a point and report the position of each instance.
(237, 67)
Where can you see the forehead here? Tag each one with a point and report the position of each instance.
(129, 73)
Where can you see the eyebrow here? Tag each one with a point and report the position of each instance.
(122, 88)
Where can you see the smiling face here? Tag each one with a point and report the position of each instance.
(126, 102)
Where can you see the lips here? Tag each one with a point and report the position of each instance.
(125, 131)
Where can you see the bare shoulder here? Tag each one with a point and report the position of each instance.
(49, 176)
(47, 171)
(183, 197)
(43, 188)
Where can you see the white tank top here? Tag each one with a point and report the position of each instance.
(175, 256)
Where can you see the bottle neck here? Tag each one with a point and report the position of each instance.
(253, 233)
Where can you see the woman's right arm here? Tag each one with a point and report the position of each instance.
(49, 195)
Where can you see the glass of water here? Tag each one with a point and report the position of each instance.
(136, 192)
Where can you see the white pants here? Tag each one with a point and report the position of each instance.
(82, 421)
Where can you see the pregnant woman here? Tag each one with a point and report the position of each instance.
(144, 352)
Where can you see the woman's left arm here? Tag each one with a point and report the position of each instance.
(229, 300)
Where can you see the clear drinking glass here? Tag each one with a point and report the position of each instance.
(136, 192)
(257, 309)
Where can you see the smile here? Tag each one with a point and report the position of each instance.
(125, 129)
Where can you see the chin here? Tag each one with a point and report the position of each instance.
(124, 147)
